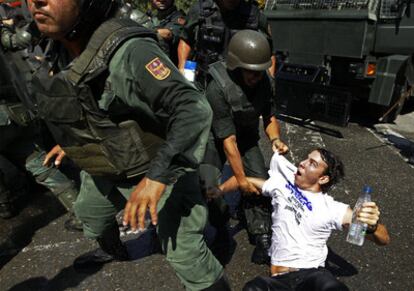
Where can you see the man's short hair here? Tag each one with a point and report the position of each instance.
(335, 170)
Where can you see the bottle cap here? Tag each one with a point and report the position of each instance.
(190, 65)
(367, 189)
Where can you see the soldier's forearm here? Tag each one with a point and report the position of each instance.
(273, 129)
(234, 158)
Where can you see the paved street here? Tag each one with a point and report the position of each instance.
(36, 253)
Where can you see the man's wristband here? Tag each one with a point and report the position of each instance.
(372, 230)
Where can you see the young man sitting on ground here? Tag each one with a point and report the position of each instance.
(303, 219)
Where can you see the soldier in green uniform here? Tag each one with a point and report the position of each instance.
(209, 27)
(20, 134)
(167, 21)
(170, 21)
(124, 114)
(239, 93)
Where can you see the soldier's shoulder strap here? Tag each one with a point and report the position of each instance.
(233, 94)
(103, 44)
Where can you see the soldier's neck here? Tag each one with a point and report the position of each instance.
(74, 47)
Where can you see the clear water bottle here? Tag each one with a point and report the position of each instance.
(189, 70)
(357, 230)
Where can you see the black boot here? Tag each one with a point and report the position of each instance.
(112, 248)
(221, 284)
(260, 254)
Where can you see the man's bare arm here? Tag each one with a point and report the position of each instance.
(369, 214)
(233, 156)
(273, 132)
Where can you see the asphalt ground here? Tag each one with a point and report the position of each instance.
(36, 253)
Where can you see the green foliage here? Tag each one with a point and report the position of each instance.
(184, 4)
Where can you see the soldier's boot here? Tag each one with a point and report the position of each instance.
(111, 248)
(260, 255)
(61, 186)
(221, 284)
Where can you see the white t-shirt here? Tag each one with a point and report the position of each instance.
(302, 220)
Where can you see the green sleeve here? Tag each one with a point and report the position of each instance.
(141, 75)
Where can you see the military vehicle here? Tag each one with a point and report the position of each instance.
(331, 53)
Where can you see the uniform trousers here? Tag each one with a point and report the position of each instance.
(20, 145)
(182, 217)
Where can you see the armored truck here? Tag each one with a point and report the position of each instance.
(331, 53)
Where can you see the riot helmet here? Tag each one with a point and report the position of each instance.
(249, 49)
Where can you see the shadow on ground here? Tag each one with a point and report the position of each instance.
(339, 266)
(33, 216)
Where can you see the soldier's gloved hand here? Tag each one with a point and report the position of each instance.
(57, 153)
(279, 146)
(146, 195)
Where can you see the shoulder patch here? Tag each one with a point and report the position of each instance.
(157, 69)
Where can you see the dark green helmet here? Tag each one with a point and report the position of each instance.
(249, 49)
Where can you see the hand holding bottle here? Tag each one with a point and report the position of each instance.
(369, 214)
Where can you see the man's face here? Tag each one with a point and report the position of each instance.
(251, 78)
(162, 4)
(310, 174)
(54, 18)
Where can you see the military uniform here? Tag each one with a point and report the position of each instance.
(127, 113)
(173, 19)
(208, 30)
(21, 140)
(237, 110)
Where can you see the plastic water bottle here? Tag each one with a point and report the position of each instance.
(357, 230)
(189, 70)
